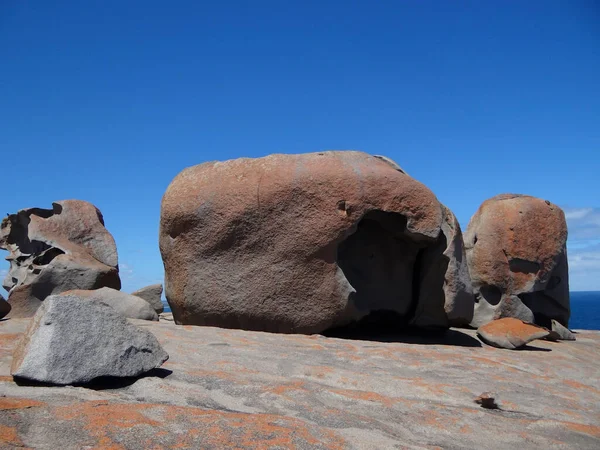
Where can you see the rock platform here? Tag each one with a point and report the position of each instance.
(251, 390)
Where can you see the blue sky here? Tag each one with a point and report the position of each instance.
(107, 101)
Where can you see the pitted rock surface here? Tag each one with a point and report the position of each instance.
(225, 388)
(304, 243)
(74, 341)
(517, 257)
(152, 294)
(56, 250)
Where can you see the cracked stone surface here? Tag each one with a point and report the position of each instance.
(56, 250)
(517, 258)
(225, 388)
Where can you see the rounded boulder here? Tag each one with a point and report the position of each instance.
(305, 243)
(517, 256)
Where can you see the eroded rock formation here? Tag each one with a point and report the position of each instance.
(305, 243)
(516, 250)
(56, 250)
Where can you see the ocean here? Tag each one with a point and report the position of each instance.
(585, 310)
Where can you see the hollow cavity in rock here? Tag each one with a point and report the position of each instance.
(382, 261)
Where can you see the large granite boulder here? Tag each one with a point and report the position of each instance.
(516, 250)
(56, 250)
(73, 341)
(304, 243)
(152, 294)
(4, 307)
(127, 305)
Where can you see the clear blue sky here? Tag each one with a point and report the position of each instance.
(107, 101)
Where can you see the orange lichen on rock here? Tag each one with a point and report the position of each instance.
(510, 333)
(9, 435)
(197, 427)
(18, 403)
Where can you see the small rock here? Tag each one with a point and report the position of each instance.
(152, 294)
(561, 333)
(4, 307)
(128, 305)
(487, 400)
(510, 333)
(73, 341)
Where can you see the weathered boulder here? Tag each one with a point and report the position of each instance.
(516, 250)
(73, 341)
(152, 294)
(304, 243)
(127, 305)
(510, 333)
(56, 250)
(4, 307)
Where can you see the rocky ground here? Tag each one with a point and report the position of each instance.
(238, 389)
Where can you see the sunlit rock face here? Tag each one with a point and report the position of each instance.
(516, 250)
(56, 250)
(305, 243)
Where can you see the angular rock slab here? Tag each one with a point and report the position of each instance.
(56, 250)
(510, 333)
(127, 305)
(4, 307)
(517, 258)
(561, 333)
(70, 341)
(303, 243)
(152, 294)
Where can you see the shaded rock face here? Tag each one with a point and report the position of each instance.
(152, 294)
(56, 250)
(305, 243)
(4, 307)
(72, 341)
(127, 305)
(510, 333)
(516, 251)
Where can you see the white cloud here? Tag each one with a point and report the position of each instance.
(126, 271)
(583, 248)
(584, 223)
(577, 213)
